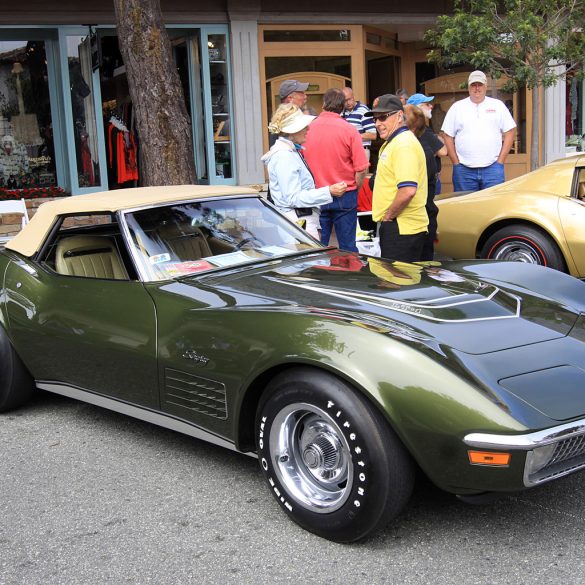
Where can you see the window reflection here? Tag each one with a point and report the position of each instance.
(178, 240)
(27, 153)
(83, 110)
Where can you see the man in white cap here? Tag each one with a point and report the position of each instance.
(479, 132)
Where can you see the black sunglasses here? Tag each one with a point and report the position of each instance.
(383, 117)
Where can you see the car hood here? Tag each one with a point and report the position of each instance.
(455, 306)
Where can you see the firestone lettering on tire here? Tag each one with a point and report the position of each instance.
(358, 450)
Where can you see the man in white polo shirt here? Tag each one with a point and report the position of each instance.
(479, 132)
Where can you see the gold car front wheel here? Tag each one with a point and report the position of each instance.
(518, 243)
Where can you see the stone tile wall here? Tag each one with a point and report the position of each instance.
(10, 223)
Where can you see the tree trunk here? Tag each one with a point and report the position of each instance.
(164, 127)
(534, 141)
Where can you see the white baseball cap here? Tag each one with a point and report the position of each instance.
(477, 77)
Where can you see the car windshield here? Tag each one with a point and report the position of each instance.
(186, 238)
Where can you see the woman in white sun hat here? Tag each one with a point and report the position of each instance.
(290, 182)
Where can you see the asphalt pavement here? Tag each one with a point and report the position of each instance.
(90, 497)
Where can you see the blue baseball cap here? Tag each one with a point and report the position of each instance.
(419, 98)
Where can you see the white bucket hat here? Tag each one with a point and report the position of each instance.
(296, 122)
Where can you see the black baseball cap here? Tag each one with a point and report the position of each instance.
(387, 104)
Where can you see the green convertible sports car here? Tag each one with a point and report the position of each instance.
(203, 310)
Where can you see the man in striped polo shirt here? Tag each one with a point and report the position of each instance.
(354, 113)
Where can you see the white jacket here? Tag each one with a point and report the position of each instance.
(291, 183)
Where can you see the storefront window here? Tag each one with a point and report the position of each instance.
(118, 116)
(296, 36)
(220, 105)
(27, 152)
(82, 104)
(185, 46)
(574, 127)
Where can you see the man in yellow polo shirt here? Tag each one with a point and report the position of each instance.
(400, 189)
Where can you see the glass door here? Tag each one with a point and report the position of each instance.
(81, 93)
(187, 56)
(218, 106)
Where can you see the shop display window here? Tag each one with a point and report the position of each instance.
(27, 151)
(117, 116)
(220, 105)
(575, 109)
(83, 111)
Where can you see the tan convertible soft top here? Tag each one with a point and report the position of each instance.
(32, 236)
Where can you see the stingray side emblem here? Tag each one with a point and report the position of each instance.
(194, 356)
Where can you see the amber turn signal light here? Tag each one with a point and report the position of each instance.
(487, 458)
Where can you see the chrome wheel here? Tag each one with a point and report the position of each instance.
(518, 251)
(523, 243)
(311, 457)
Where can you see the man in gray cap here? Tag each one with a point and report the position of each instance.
(292, 91)
(400, 190)
(479, 132)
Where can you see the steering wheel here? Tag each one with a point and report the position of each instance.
(245, 241)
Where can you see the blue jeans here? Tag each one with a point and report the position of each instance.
(341, 213)
(475, 179)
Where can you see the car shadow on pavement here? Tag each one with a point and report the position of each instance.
(431, 514)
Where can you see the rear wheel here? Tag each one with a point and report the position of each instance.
(330, 459)
(16, 384)
(518, 243)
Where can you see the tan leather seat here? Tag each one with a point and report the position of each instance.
(89, 256)
(581, 191)
(190, 246)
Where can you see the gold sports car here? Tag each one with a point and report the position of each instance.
(537, 218)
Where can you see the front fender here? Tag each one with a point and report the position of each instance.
(428, 398)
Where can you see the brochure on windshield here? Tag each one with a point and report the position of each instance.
(274, 250)
(240, 256)
(180, 268)
(230, 259)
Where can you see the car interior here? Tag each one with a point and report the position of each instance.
(88, 249)
(169, 240)
(581, 185)
(91, 247)
(89, 256)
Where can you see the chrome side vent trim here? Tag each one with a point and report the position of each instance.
(195, 393)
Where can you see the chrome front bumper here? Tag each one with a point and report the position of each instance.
(551, 453)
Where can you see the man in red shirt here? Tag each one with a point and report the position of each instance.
(334, 150)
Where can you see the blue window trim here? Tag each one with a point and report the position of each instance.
(50, 36)
(205, 32)
(65, 32)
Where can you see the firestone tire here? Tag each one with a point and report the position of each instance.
(518, 243)
(331, 461)
(16, 384)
